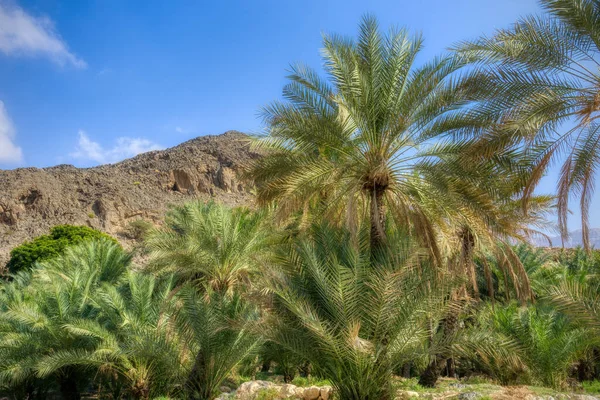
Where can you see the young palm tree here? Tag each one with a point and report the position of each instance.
(214, 245)
(353, 322)
(42, 320)
(546, 344)
(540, 80)
(360, 140)
(138, 349)
(220, 332)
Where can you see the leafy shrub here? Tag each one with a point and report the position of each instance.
(138, 229)
(44, 247)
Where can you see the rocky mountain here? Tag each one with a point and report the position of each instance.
(575, 239)
(109, 197)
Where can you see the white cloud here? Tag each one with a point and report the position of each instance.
(124, 147)
(23, 34)
(179, 129)
(10, 153)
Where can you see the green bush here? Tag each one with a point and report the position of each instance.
(48, 246)
(138, 229)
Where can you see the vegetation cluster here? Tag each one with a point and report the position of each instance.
(389, 241)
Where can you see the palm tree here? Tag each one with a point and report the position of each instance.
(478, 230)
(540, 80)
(540, 342)
(42, 320)
(580, 300)
(361, 140)
(354, 323)
(138, 347)
(214, 245)
(220, 331)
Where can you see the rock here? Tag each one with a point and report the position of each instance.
(182, 181)
(326, 392)
(225, 179)
(288, 390)
(458, 386)
(311, 393)
(469, 396)
(225, 389)
(407, 394)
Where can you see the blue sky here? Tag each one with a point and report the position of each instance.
(87, 82)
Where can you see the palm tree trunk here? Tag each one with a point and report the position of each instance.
(68, 386)
(266, 366)
(451, 368)
(195, 385)
(377, 218)
(434, 370)
(430, 376)
(406, 370)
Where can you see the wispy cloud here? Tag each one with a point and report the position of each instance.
(124, 147)
(22, 34)
(10, 153)
(104, 71)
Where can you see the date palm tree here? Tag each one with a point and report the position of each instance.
(357, 141)
(41, 320)
(216, 246)
(540, 80)
(220, 331)
(138, 351)
(354, 323)
(534, 344)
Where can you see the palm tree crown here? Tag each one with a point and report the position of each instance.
(361, 138)
(540, 80)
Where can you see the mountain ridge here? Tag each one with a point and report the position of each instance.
(109, 197)
(575, 239)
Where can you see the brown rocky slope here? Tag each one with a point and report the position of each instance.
(109, 197)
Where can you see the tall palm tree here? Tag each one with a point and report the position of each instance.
(354, 323)
(358, 141)
(212, 244)
(540, 80)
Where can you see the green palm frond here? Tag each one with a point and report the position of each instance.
(218, 246)
(353, 322)
(539, 80)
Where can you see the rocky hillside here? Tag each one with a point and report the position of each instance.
(110, 197)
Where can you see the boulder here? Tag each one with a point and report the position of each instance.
(288, 390)
(311, 393)
(326, 392)
(406, 394)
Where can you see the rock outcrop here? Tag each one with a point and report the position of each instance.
(253, 389)
(109, 197)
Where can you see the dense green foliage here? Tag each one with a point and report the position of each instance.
(44, 247)
(395, 204)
